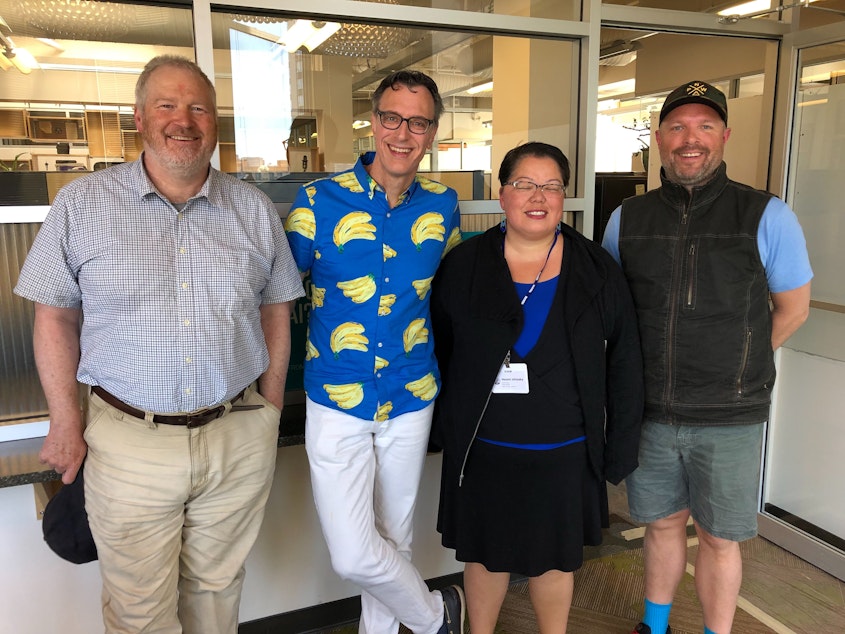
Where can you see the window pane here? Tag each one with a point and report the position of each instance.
(66, 93)
(306, 108)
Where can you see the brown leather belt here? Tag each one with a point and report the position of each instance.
(191, 421)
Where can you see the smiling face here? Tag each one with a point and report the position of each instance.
(533, 215)
(399, 152)
(177, 122)
(692, 143)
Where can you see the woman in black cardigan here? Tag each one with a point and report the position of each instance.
(536, 338)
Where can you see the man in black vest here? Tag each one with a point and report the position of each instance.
(704, 256)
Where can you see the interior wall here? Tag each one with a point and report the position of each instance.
(669, 60)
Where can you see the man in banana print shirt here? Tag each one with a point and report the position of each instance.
(372, 238)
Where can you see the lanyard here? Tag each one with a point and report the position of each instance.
(537, 279)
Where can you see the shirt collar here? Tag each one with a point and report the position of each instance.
(372, 186)
(141, 181)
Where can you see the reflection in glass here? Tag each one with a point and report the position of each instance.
(330, 88)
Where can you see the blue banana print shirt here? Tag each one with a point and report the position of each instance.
(369, 350)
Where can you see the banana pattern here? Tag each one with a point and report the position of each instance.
(353, 226)
(301, 220)
(311, 351)
(452, 241)
(369, 334)
(349, 336)
(431, 186)
(360, 289)
(347, 395)
(384, 304)
(416, 333)
(318, 296)
(383, 412)
(429, 226)
(422, 286)
(424, 388)
(349, 181)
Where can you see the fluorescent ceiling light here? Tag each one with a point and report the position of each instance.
(23, 60)
(757, 6)
(308, 34)
(486, 87)
(360, 123)
(745, 8)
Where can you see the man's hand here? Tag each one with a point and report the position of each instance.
(64, 448)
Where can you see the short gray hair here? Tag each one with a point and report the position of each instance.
(175, 61)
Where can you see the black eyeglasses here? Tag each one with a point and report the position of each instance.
(392, 121)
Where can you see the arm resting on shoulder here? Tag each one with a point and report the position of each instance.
(56, 346)
(275, 322)
(790, 309)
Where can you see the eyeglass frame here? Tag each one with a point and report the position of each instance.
(406, 120)
(533, 190)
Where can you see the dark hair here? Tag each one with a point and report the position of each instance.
(537, 150)
(175, 61)
(410, 79)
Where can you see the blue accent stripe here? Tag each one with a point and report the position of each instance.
(534, 446)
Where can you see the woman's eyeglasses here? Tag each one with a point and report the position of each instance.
(551, 189)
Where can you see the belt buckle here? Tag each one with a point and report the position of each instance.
(198, 420)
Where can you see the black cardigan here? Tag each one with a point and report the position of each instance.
(476, 319)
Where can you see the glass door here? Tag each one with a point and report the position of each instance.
(805, 469)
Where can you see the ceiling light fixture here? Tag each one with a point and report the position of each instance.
(79, 19)
(367, 40)
(759, 8)
(485, 87)
(308, 34)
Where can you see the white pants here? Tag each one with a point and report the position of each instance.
(365, 477)
(174, 513)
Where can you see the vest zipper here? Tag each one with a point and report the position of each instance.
(674, 299)
(743, 362)
(690, 275)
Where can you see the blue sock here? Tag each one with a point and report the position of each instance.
(657, 616)
(707, 630)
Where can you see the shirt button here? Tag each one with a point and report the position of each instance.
(184, 285)
(187, 390)
(182, 250)
(380, 344)
(188, 359)
(386, 280)
(187, 322)
(378, 375)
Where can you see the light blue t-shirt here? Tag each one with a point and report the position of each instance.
(780, 240)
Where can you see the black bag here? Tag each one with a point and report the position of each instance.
(65, 524)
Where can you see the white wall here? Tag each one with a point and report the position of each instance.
(288, 569)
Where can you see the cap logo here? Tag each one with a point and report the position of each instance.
(697, 89)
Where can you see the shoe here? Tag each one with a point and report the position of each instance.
(454, 610)
(642, 628)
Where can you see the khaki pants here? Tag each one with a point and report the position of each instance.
(174, 513)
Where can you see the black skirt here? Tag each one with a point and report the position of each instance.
(520, 510)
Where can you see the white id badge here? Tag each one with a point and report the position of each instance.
(512, 379)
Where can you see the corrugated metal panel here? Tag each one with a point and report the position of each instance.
(20, 390)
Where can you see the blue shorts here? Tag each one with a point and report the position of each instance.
(712, 471)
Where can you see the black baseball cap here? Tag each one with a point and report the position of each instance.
(696, 92)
